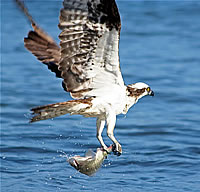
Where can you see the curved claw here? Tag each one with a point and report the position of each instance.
(117, 149)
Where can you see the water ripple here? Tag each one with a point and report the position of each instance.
(159, 136)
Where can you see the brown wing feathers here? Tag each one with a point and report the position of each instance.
(82, 24)
(41, 44)
(47, 52)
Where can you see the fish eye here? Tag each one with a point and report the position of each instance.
(148, 89)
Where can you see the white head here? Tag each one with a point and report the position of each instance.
(139, 85)
(139, 90)
(135, 92)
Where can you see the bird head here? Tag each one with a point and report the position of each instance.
(139, 90)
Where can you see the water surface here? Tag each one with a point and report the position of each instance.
(160, 136)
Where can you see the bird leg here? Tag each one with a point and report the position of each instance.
(111, 120)
(100, 126)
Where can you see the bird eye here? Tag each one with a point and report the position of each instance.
(148, 89)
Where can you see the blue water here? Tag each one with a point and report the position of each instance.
(160, 136)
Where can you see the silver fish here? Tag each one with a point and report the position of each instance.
(91, 162)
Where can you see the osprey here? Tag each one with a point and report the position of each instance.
(88, 62)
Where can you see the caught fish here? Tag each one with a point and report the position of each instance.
(92, 161)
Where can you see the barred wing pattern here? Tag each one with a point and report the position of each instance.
(89, 46)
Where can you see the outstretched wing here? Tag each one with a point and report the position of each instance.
(41, 44)
(44, 48)
(89, 46)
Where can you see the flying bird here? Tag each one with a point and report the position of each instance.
(87, 60)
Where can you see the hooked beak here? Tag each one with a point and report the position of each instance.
(151, 93)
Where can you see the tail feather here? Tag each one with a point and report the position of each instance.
(58, 109)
